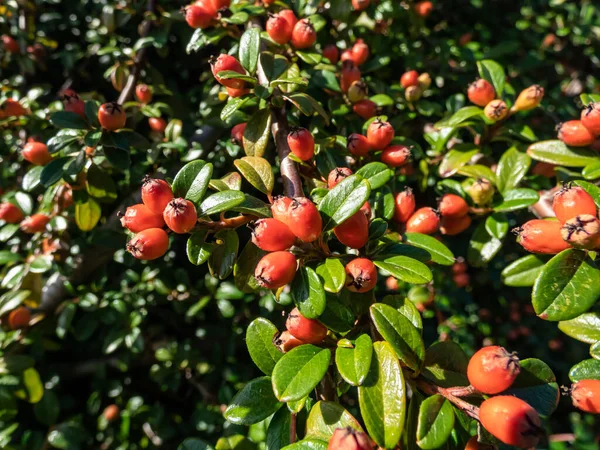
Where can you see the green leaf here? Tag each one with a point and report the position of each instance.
(515, 199)
(256, 134)
(233, 75)
(478, 171)
(440, 254)
(456, 158)
(497, 225)
(382, 397)
(253, 206)
(34, 389)
(376, 173)
(482, 247)
(584, 328)
(406, 269)
(99, 184)
(273, 65)
(192, 180)
(221, 201)
(31, 179)
(117, 157)
(223, 256)
(40, 264)
(588, 369)
(259, 340)
(344, 200)
(193, 443)
(243, 270)
(258, 172)
(255, 402)
(436, 421)
(307, 105)
(250, 49)
(63, 139)
(67, 119)
(53, 171)
(557, 152)
(536, 384)
(198, 250)
(446, 364)
(307, 444)
(401, 334)
(7, 256)
(512, 167)
(494, 73)
(233, 105)
(568, 285)
(299, 371)
(333, 273)
(311, 58)
(462, 115)
(47, 409)
(278, 433)
(87, 214)
(591, 171)
(524, 271)
(353, 363)
(325, 417)
(338, 315)
(406, 308)
(235, 442)
(308, 293)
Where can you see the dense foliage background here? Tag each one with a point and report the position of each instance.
(165, 341)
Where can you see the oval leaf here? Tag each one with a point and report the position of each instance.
(435, 423)
(258, 172)
(192, 180)
(556, 152)
(353, 363)
(256, 134)
(344, 200)
(439, 252)
(407, 269)
(524, 271)
(259, 340)
(308, 293)
(325, 417)
(255, 402)
(584, 328)
(221, 201)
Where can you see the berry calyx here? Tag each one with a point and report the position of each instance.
(10, 213)
(226, 62)
(575, 134)
(337, 175)
(424, 220)
(139, 217)
(286, 342)
(304, 34)
(35, 223)
(511, 420)
(492, 370)
(143, 93)
(180, 215)
(396, 155)
(36, 153)
(380, 134)
(496, 110)
(404, 205)
(19, 318)
(451, 226)
(111, 116)
(410, 78)
(590, 118)
(354, 232)
(331, 52)
(73, 103)
(237, 133)
(149, 244)
(541, 236)
(365, 109)
(275, 270)
(481, 191)
(279, 29)
(582, 231)
(358, 145)
(349, 439)
(453, 206)
(529, 98)
(309, 331)
(304, 219)
(572, 201)
(157, 124)
(361, 275)
(586, 395)
(271, 235)
(156, 194)
(481, 92)
(301, 143)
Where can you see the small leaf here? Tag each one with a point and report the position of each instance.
(325, 417)
(557, 152)
(192, 180)
(515, 199)
(406, 269)
(588, 369)
(482, 247)
(198, 250)
(256, 134)
(259, 340)
(512, 167)
(497, 225)
(278, 433)
(67, 119)
(436, 420)
(353, 363)
(524, 271)
(258, 172)
(456, 158)
(308, 293)
(255, 402)
(446, 364)
(87, 214)
(250, 49)
(333, 273)
(53, 171)
(307, 444)
(243, 270)
(344, 200)
(584, 328)
(223, 256)
(494, 73)
(376, 173)
(221, 201)
(440, 254)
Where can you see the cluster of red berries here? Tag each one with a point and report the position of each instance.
(577, 225)
(235, 87)
(18, 318)
(143, 92)
(203, 13)
(284, 27)
(111, 115)
(583, 132)
(300, 330)
(482, 93)
(414, 84)
(36, 223)
(12, 108)
(159, 207)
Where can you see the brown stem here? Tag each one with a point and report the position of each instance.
(432, 389)
(234, 222)
(293, 428)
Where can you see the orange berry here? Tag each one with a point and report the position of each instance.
(453, 206)
(237, 133)
(380, 134)
(511, 420)
(424, 220)
(280, 209)
(350, 439)
(157, 124)
(586, 395)
(481, 92)
(359, 5)
(410, 78)
(149, 244)
(10, 213)
(496, 110)
(304, 34)
(289, 15)
(474, 444)
(286, 342)
(354, 232)
(199, 16)
(139, 217)
(331, 52)
(358, 145)
(337, 175)
(143, 93)
(572, 201)
(10, 44)
(360, 52)
(582, 231)
(365, 109)
(227, 62)
(350, 73)
(36, 153)
(111, 413)
(19, 318)
(404, 205)
(451, 226)
(73, 103)
(492, 370)
(156, 194)
(35, 223)
(423, 9)
(111, 116)
(590, 118)
(309, 331)
(301, 143)
(395, 155)
(180, 215)
(279, 29)
(304, 219)
(575, 134)
(542, 236)
(275, 270)
(361, 275)
(271, 235)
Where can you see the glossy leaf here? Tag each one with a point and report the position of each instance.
(435, 423)
(406, 269)
(524, 271)
(325, 417)
(250, 49)
(376, 173)
(446, 364)
(253, 403)
(512, 167)
(87, 215)
(198, 250)
(515, 199)
(220, 201)
(482, 247)
(278, 433)
(405, 307)
(494, 73)
(536, 384)
(259, 340)
(344, 200)
(584, 328)
(256, 134)
(588, 369)
(307, 444)
(333, 273)
(308, 293)
(440, 254)
(556, 152)
(192, 180)
(353, 363)
(455, 159)
(258, 172)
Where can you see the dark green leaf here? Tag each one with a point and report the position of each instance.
(524, 271)
(439, 252)
(353, 363)
(255, 402)
(259, 340)
(250, 49)
(308, 293)
(376, 173)
(556, 152)
(494, 73)
(406, 269)
(221, 201)
(192, 180)
(67, 119)
(344, 200)
(584, 328)
(436, 421)
(256, 134)
(325, 417)
(333, 273)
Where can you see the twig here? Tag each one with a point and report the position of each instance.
(432, 389)
(234, 222)
(293, 428)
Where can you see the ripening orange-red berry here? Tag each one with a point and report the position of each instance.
(331, 52)
(349, 74)
(360, 52)
(582, 232)
(237, 133)
(460, 266)
(304, 34)
(10, 213)
(289, 15)
(404, 205)
(19, 318)
(35, 223)
(380, 134)
(453, 206)
(461, 280)
(474, 444)
(575, 134)
(358, 145)
(10, 44)
(309, 331)
(304, 219)
(280, 209)
(361, 275)
(366, 209)
(218, 5)
(572, 201)
(279, 29)
(36, 153)
(157, 124)
(481, 92)
(395, 155)
(143, 93)
(149, 244)
(424, 220)
(544, 169)
(73, 103)
(410, 78)
(542, 236)
(511, 420)
(235, 93)
(590, 118)
(350, 439)
(391, 284)
(423, 9)
(156, 194)
(354, 232)
(451, 226)
(496, 110)
(111, 413)
(271, 235)
(301, 143)
(275, 270)
(139, 217)
(365, 109)
(180, 215)
(286, 342)
(586, 395)
(347, 56)
(337, 175)
(492, 370)
(112, 116)
(199, 16)
(227, 62)
(359, 5)
(529, 98)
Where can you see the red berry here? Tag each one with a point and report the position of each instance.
(423, 9)
(337, 175)
(237, 133)
(180, 215)
(10, 44)
(331, 52)
(19, 318)
(542, 236)
(279, 29)
(474, 444)
(404, 205)
(10, 213)
(453, 206)
(235, 93)
(586, 395)
(451, 226)
(304, 34)
(582, 231)
(157, 124)
(280, 209)
(218, 5)
(349, 439)
(590, 118)
(198, 16)
(575, 134)
(360, 52)
(73, 103)
(395, 155)
(275, 270)
(304, 219)
(359, 5)
(361, 275)
(111, 116)
(492, 370)
(156, 194)
(461, 279)
(36, 153)
(143, 93)
(410, 78)
(139, 218)
(111, 413)
(302, 143)
(380, 134)
(365, 109)
(511, 420)
(149, 244)
(424, 220)
(35, 223)
(350, 74)
(481, 92)
(227, 62)
(572, 201)
(459, 266)
(289, 15)
(271, 235)
(347, 56)
(286, 342)
(354, 232)
(309, 331)
(391, 284)
(358, 145)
